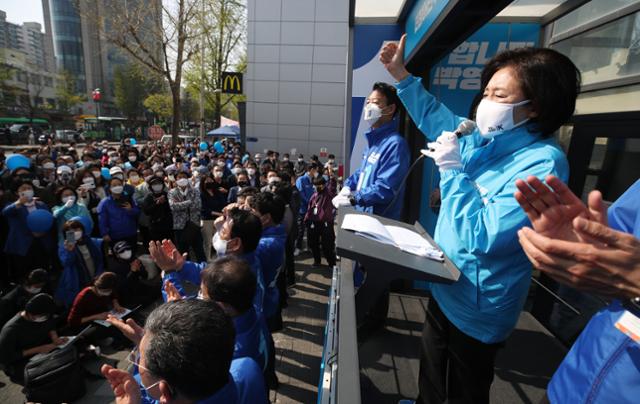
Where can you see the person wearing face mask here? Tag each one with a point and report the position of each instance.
(116, 172)
(527, 94)
(301, 166)
(186, 206)
(30, 332)
(213, 201)
(133, 158)
(89, 195)
(252, 174)
(16, 299)
(286, 162)
(304, 184)
(242, 182)
(68, 206)
(29, 240)
(94, 302)
(156, 206)
(206, 338)
(118, 215)
(273, 178)
(81, 259)
(385, 161)
(64, 175)
(319, 220)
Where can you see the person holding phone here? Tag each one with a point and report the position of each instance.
(68, 206)
(118, 215)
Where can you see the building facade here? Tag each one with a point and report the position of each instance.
(296, 76)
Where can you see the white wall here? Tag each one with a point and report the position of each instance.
(296, 77)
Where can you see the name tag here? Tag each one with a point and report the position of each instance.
(373, 158)
(629, 325)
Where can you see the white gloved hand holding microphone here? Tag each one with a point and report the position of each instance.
(342, 198)
(445, 151)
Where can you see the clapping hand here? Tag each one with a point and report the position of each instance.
(124, 386)
(166, 255)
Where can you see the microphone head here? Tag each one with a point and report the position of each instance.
(466, 127)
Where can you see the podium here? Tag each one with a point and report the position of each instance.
(385, 263)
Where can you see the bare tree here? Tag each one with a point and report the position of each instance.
(158, 35)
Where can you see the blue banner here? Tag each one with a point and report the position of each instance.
(422, 16)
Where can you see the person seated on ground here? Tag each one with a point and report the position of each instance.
(30, 332)
(81, 259)
(270, 209)
(229, 282)
(573, 245)
(239, 235)
(95, 302)
(68, 206)
(184, 355)
(131, 290)
(16, 299)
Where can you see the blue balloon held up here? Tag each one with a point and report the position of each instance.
(204, 146)
(133, 141)
(218, 146)
(105, 173)
(39, 221)
(17, 161)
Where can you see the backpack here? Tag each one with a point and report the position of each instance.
(54, 377)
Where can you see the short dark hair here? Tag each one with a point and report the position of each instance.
(190, 346)
(248, 191)
(313, 165)
(229, 280)
(547, 77)
(65, 188)
(37, 276)
(268, 203)
(247, 227)
(390, 94)
(319, 180)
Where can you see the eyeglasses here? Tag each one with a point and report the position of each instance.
(134, 359)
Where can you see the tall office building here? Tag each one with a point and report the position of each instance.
(296, 75)
(81, 49)
(29, 39)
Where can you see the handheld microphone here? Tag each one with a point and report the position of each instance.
(465, 128)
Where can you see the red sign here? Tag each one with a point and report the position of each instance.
(323, 152)
(155, 132)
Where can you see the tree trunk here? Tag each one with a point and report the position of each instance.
(218, 110)
(175, 125)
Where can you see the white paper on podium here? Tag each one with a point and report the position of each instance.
(405, 239)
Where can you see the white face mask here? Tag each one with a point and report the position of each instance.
(182, 182)
(494, 118)
(273, 180)
(89, 181)
(33, 291)
(133, 158)
(117, 189)
(125, 255)
(77, 234)
(39, 319)
(218, 174)
(134, 178)
(220, 163)
(96, 174)
(27, 194)
(251, 171)
(219, 244)
(236, 170)
(157, 187)
(372, 112)
(68, 198)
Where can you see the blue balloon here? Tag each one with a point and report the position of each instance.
(133, 141)
(218, 146)
(39, 221)
(127, 166)
(105, 173)
(87, 223)
(204, 146)
(17, 161)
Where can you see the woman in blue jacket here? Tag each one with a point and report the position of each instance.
(81, 260)
(118, 215)
(527, 94)
(30, 243)
(68, 206)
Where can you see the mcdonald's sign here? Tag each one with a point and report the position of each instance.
(231, 83)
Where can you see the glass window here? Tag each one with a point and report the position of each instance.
(606, 53)
(587, 13)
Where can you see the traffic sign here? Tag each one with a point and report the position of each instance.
(155, 132)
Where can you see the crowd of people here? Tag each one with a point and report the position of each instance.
(84, 230)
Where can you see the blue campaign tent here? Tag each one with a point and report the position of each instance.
(227, 130)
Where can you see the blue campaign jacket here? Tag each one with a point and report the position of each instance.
(191, 272)
(479, 216)
(603, 365)
(384, 164)
(246, 386)
(19, 238)
(62, 214)
(116, 221)
(270, 251)
(304, 183)
(252, 335)
(75, 275)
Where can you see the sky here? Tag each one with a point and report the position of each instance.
(19, 11)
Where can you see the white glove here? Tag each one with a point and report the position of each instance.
(340, 200)
(68, 204)
(345, 191)
(445, 151)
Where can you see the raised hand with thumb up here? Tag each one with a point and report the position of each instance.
(392, 57)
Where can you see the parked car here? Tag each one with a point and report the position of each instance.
(182, 138)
